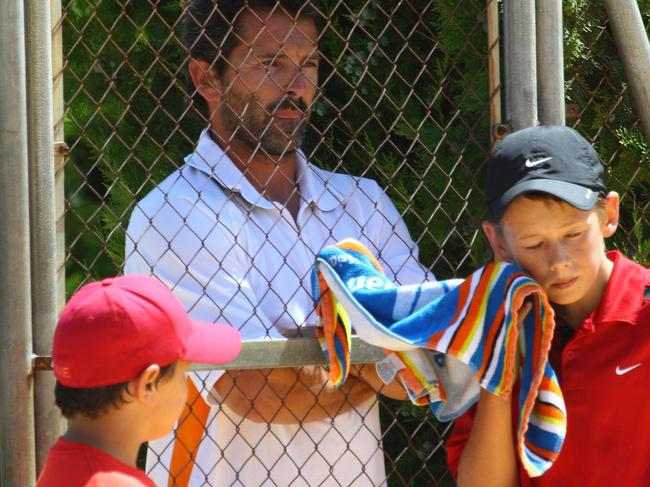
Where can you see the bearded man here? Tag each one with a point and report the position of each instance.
(235, 232)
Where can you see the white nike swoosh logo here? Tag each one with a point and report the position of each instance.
(620, 371)
(530, 163)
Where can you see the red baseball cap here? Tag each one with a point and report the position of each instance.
(111, 330)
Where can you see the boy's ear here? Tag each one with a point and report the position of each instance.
(495, 237)
(205, 80)
(611, 214)
(144, 387)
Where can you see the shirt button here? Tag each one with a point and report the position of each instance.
(570, 355)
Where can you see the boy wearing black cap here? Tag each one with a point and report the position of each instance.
(121, 349)
(550, 213)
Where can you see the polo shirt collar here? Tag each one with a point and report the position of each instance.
(315, 187)
(622, 300)
(210, 159)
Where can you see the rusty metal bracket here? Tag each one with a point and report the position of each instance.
(41, 362)
(573, 111)
(500, 130)
(61, 149)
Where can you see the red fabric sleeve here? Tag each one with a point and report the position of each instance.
(457, 439)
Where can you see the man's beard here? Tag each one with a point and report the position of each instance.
(249, 122)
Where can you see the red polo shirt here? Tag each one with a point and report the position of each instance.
(71, 464)
(604, 372)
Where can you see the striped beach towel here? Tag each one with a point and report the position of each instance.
(445, 339)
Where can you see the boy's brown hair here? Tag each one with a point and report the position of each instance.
(96, 401)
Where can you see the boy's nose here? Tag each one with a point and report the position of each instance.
(559, 257)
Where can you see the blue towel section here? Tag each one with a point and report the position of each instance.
(446, 339)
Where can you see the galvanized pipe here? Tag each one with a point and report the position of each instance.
(59, 145)
(47, 420)
(266, 354)
(632, 42)
(550, 62)
(520, 63)
(17, 466)
(494, 67)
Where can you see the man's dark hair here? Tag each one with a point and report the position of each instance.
(93, 402)
(209, 28)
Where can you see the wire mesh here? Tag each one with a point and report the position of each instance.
(402, 99)
(602, 109)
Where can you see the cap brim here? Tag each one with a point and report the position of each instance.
(212, 343)
(578, 196)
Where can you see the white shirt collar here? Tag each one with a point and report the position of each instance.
(210, 159)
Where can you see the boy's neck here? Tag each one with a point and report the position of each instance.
(574, 314)
(110, 433)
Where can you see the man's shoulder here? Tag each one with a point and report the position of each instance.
(347, 184)
(186, 182)
(179, 194)
(341, 178)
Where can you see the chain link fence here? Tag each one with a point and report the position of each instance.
(403, 98)
(600, 105)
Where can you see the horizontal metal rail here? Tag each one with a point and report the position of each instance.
(263, 354)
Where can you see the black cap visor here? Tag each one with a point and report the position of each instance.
(580, 197)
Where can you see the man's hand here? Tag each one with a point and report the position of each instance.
(368, 374)
(289, 395)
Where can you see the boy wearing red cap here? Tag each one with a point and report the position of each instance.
(550, 213)
(121, 349)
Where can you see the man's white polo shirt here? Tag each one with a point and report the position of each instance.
(233, 256)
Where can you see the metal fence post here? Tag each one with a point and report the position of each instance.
(16, 400)
(550, 62)
(520, 63)
(494, 67)
(60, 147)
(42, 217)
(632, 42)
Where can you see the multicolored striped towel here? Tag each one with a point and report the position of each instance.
(444, 339)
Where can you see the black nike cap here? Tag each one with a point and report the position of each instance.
(552, 159)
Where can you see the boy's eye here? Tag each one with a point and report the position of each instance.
(573, 234)
(533, 246)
